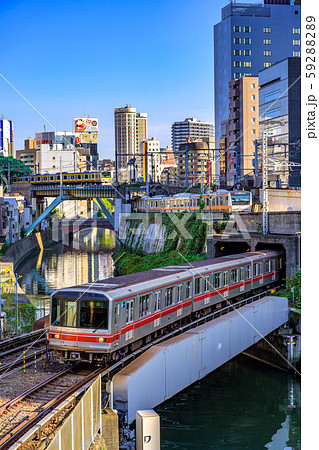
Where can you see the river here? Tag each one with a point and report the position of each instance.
(242, 405)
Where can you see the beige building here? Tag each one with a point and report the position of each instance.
(28, 155)
(130, 131)
(242, 127)
(196, 158)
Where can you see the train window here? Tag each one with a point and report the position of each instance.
(144, 305)
(225, 278)
(261, 268)
(217, 279)
(188, 290)
(248, 272)
(130, 309)
(206, 283)
(179, 293)
(93, 314)
(233, 276)
(273, 265)
(267, 266)
(242, 273)
(157, 301)
(56, 312)
(256, 270)
(169, 296)
(69, 319)
(65, 177)
(197, 286)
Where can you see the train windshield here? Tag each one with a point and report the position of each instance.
(76, 311)
(93, 315)
(240, 198)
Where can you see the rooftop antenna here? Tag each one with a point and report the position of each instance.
(44, 128)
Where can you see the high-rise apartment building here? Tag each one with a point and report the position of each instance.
(242, 130)
(280, 117)
(190, 128)
(194, 159)
(249, 38)
(130, 130)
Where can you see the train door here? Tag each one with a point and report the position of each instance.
(226, 283)
(242, 278)
(117, 324)
(157, 307)
(129, 315)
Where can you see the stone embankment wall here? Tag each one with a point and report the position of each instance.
(146, 238)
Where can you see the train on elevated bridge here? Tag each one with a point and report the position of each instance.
(105, 320)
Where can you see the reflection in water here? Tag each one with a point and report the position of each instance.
(62, 266)
(242, 405)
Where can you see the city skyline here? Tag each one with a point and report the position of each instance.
(157, 72)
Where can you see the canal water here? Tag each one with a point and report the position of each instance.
(242, 405)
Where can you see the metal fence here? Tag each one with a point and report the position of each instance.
(82, 425)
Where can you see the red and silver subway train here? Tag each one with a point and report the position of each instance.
(221, 201)
(103, 320)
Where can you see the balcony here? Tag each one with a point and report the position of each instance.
(234, 104)
(234, 115)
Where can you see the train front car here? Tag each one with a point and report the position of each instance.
(79, 324)
(241, 201)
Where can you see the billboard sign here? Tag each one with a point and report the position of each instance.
(86, 124)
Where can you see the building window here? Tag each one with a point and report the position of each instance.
(295, 53)
(296, 30)
(252, 85)
(253, 120)
(237, 75)
(247, 64)
(267, 64)
(270, 96)
(253, 131)
(247, 41)
(237, 63)
(247, 29)
(237, 41)
(253, 143)
(237, 52)
(267, 30)
(296, 42)
(253, 108)
(267, 52)
(253, 97)
(267, 41)
(247, 52)
(237, 29)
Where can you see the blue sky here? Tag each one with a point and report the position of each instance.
(73, 58)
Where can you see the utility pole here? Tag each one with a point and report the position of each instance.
(17, 303)
(265, 183)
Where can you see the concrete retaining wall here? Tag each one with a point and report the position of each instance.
(22, 249)
(288, 222)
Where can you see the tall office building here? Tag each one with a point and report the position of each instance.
(28, 155)
(249, 38)
(130, 130)
(242, 128)
(189, 128)
(281, 120)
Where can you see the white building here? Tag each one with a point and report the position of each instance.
(190, 128)
(6, 137)
(149, 160)
(53, 158)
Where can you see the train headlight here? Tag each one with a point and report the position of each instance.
(101, 339)
(55, 336)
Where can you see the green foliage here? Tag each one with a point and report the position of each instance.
(23, 232)
(4, 248)
(131, 261)
(26, 315)
(259, 228)
(294, 282)
(219, 226)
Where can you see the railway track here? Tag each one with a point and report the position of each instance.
(21, 340)
(19, 414)
(16, 358)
